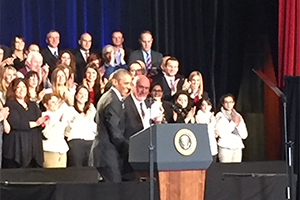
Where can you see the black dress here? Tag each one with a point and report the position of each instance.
(23, 144)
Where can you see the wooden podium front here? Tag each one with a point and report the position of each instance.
(181, 157)
(178, 185)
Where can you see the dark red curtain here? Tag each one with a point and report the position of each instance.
(288, 39)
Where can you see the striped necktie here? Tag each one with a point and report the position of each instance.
(149, 61)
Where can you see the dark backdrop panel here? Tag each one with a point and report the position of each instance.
(221, 39)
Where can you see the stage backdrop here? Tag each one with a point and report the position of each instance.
(221, 39)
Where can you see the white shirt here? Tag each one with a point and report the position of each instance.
(170, 80)
(83, 53)
(146, 119)
(53, 50)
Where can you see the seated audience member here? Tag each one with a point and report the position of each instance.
(81, 55)
(81, 129)
(33, 48)
(151, 58)
(93, 83)
(4, 126)
(9, 73)
(109, 58)
(183, 110)
(59, 86)
(195, 87)
(205, 115)
(137, 68)
(34, 62)
(51, 52)
(32, 82)
(159, 106)
(117, 40)
(169, 78)
(231, 129)
(54, 144)
(22, 146)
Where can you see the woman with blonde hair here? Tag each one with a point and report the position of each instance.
(59, 86)
(195, 87)
(9, 74)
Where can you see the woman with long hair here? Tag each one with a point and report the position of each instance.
(81, 128)
(93, 83)
(22, 146)
(32, 81)
(9, 73)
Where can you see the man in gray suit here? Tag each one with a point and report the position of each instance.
(151, 58)
(110, 146)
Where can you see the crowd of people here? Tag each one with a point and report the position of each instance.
(75, 107)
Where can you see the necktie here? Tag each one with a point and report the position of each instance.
(86, 55)
(142, 111)
(149, 61)
(171, 83)
(55, 54)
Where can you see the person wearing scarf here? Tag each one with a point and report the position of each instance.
(231, 129)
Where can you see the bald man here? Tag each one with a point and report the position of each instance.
(81, 55)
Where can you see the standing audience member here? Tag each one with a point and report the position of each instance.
(9, 73)
(22, 146)
(183, 110)
(82, 54)
(109, 58)
(110, 146)
(59, 86)
(160, 106)
(81, 129)
(151, 58)
(169, 78)
(51, 52)
(33, 48)
(34, 62)
(67, 58)
(117, 40)
(231, 130)
(32, 83)
(93, 83)
(137, 68)
(206, 116)
(195, 87)
(4, 127)
(18, 52)
(54, 145)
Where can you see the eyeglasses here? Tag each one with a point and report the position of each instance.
(228, 101)
(156, 90)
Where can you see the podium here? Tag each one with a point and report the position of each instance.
(181, 156)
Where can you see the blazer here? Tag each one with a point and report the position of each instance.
(110, 147)
(155, 56)
(133, 120)
(160, 79)
(50, 59)
(80, 66)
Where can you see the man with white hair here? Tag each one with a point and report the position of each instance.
(34, 62)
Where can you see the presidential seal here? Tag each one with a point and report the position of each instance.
(185, 142)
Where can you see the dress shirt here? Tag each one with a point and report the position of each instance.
(83, 53)
(146, 119)
(53, 50)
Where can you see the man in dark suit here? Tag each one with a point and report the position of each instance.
(151, 58)
(117, 40)
(110, 146)
(169, 78)
(51, 53)
(81, 55)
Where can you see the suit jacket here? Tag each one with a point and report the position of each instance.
(80, 66)
(160, 79)
(133, 120)
(155, 56)
(50, 59)
(110, 146)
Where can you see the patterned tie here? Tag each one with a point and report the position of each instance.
(149, 61)
(86, 55)
(55, 54)
(142, 111)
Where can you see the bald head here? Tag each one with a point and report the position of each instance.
(85, 41)
(140, 88)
